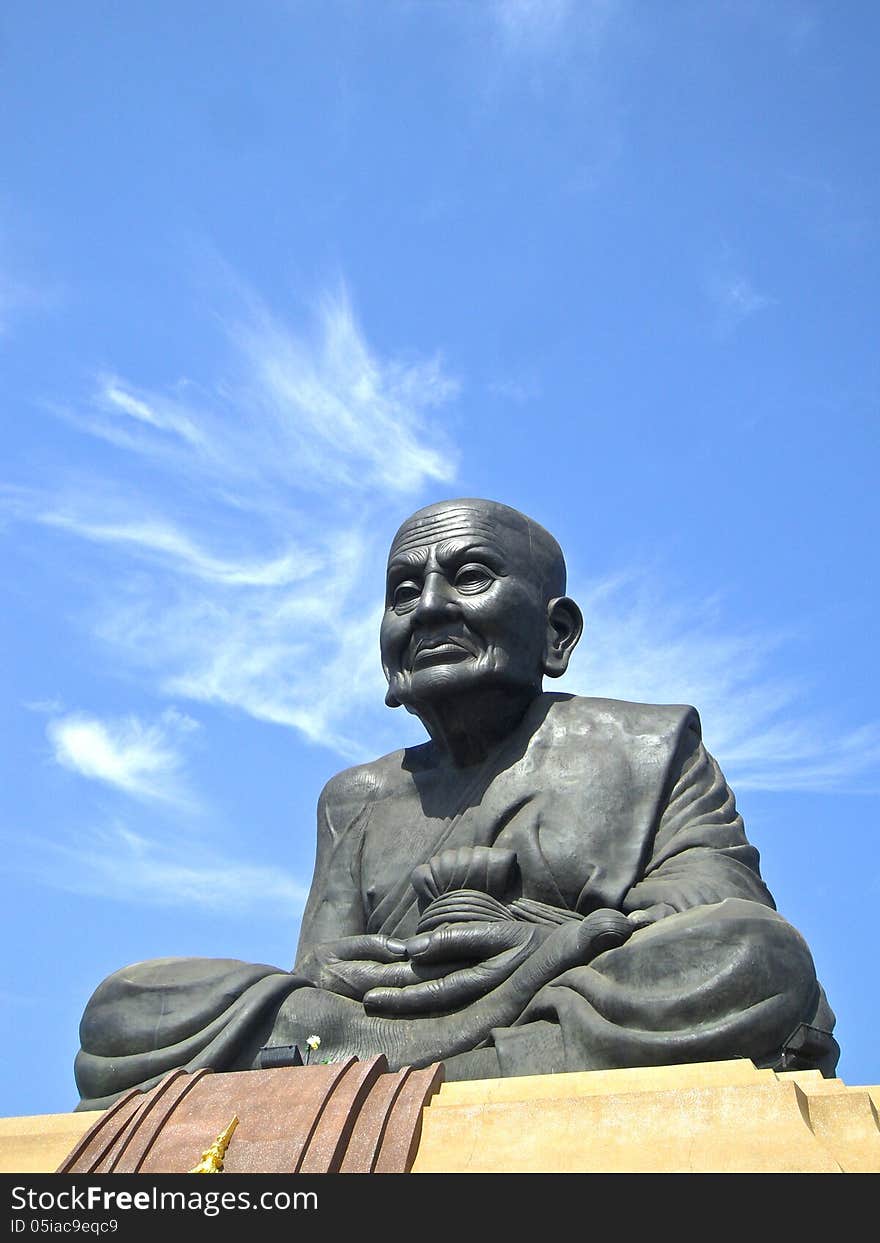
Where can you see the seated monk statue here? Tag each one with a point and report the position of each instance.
(549, 883)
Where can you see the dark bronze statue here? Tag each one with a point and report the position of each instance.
(550, 883)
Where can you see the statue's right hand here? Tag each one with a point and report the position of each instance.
(456, 965)
(351, 966)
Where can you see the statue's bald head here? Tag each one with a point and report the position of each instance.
(535, 549)
(475, 604)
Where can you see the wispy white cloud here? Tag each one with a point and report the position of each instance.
(337, 413)
(733, 296)
(156, 411)
(311, 410)
(642, 644)
(131, 868)
(135, 757)
(739, 298)
(263, 522)
(305, 657)
(45, 707)
(525, 22)
(158, 538)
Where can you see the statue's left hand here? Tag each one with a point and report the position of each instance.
(352, 966)
(470, 960)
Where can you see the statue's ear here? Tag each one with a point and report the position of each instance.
(565, 625)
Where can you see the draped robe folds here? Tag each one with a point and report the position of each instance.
(605, 805)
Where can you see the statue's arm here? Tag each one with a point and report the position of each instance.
(335, 952)
(700, 853)
(334, 908)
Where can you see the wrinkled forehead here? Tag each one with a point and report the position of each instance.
(477, 524)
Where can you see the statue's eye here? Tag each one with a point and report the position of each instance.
(405, 595)
(474, 578)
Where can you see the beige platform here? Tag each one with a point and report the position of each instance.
(710, 1117)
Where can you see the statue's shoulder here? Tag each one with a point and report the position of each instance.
(363, 783)
(584, 712)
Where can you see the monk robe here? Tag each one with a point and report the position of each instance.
(590, 811)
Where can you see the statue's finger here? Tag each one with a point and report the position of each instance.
(370, 975)
(446, 993)
(355, 979)
(457, 942)
(369, 947)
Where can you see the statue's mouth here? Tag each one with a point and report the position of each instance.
(438, 651)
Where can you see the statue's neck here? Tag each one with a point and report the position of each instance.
(466, 730)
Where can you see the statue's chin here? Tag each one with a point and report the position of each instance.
(436, 683)
(471, 689)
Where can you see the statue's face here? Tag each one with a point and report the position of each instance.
(463, 608)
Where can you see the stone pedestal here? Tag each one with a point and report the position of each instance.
(711, 1117)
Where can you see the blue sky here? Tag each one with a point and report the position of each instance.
(274, 274)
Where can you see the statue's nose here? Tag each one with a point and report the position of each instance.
(437, 598)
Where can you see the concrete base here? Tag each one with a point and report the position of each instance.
(710, 1117)
(37, 1144)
